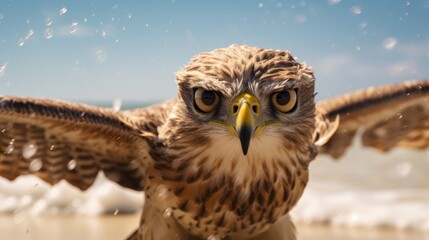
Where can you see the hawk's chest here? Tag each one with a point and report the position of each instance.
(212, 188)
(210, 202)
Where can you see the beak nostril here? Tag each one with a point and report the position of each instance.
(234, 109)
(255, 108)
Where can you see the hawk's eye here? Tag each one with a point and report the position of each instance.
(284, 101)
(205, 101)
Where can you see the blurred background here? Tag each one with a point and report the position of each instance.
(126, 52)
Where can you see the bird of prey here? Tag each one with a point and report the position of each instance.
(228, 157)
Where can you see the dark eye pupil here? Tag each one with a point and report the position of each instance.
(283, 98)
(208, 98)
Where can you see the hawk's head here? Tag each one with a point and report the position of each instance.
(243, 104)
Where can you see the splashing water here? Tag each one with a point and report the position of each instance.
(100, 55)
(389, 43)
(260, 5)
(3, 69)
(73, 27)
(49, 33)
(35, 165)
(48, 21)
(71, 165)
(63, 11)
(9, 149)
(168, 212)
(22, 41)
(162, 191)
(356, 10)
(28, 150)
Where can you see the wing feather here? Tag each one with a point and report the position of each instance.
(58, 140)
(387, 117)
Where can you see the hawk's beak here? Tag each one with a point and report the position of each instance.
(245, 123)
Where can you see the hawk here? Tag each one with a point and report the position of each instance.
(227, 158)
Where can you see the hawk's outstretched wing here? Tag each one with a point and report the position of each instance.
(389, 116)
(59, 140)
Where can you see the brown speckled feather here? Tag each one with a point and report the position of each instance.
(58, 140)
(387, 117)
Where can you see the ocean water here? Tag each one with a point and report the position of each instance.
(365, 188)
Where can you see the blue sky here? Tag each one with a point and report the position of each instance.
(104, 50)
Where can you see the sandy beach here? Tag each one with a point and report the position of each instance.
(120, 226)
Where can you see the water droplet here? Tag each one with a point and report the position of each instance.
(168, 212)
(389, 43)
(71, 165)
(103, 33)
(399, 116)
(101, 55)
(115, 6)
(49, 33)
(162, 191)
(48, 21)
(21, 42)
(147, 25)
(28, 20)
(214, 237)
(356, 10)
(333, 2)
(357, 48)
(260, 5)
(407, 3)
(63, 11)
(73, 27)
(52, 147)
(116, 212)
(3, 69)
(130, 16)
(9, 149)
(28, 150)
(29, 34)
(35, 165)
(116, 105)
